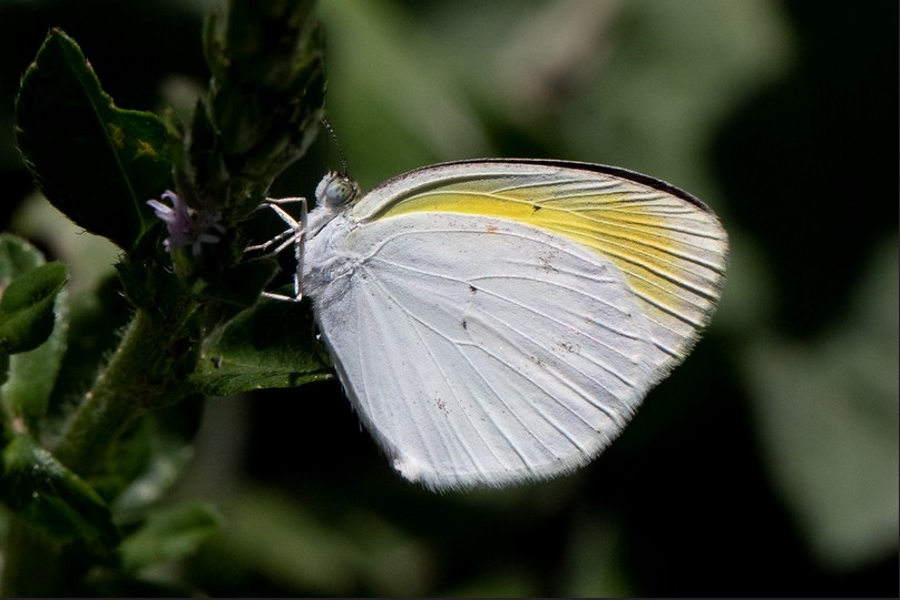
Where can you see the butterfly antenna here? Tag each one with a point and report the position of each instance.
(344, 167)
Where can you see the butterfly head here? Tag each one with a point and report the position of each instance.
(336, 190)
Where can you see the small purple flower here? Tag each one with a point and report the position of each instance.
(186, 226)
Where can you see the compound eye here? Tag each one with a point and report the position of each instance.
(337, 190)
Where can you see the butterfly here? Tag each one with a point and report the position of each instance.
(499, 321)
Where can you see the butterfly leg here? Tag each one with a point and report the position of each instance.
(289, 235)
(292, 236)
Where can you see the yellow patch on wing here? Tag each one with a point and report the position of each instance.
(672, 251)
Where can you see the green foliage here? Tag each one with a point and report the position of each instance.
(88, 457)
(70, 131)
(29, 294)
(32, 327)
(33, 483)
(255, 350)
(48, 496)
(26, 312)
(169, 534)
(838, 477)
(294, 546)
(263, 109)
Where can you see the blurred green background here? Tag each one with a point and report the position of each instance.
(767, 464)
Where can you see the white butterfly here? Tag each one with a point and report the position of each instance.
(499, 321)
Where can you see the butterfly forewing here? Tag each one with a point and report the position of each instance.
(669, 245)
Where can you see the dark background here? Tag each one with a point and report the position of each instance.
(767, 464)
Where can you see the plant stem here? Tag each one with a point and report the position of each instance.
(141, 375)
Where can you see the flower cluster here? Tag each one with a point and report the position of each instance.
(186, 226)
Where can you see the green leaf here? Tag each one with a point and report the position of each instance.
(149, 460)
(164, 467)
(32, 375)
(96, 163)
(828, 415)
(331, 553)
(27, 308)
(43, 493)
(169, 534)
(270, 345)
(16, 257)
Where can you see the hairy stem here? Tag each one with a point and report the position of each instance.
(141, 375)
